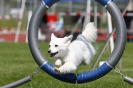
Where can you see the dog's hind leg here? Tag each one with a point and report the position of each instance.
(86, 58)
(88, 54)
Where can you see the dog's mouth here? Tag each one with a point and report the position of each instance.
(53, 54)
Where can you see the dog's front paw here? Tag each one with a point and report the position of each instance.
(56, 70)
(58, 63)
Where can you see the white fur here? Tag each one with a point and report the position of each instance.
(71, 55)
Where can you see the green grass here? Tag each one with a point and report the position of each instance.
(16, 63)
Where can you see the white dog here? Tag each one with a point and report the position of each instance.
(68, 56)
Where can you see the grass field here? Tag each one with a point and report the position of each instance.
(16, 62)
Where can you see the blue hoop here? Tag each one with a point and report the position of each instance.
(82, 77)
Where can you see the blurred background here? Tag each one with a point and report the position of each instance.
(63, 18)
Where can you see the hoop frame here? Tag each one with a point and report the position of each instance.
(86, 76)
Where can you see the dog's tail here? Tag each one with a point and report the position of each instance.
(90, 32)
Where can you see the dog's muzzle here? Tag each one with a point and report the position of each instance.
(52, 54)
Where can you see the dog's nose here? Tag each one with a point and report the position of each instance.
(49, 51)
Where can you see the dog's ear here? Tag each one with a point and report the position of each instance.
(53, 36)
(68, 39)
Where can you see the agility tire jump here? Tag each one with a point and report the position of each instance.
(81, 77)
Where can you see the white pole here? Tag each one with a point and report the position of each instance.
(110, 31)
(53, 9)
(88, 11)
(87, 16)
(120, 62)
(70, 6)
(1, 7)
(35, 4)
(95, 13)
(18, 2)
(20, 20)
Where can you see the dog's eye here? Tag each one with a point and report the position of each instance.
(56, 45)
(49, 45)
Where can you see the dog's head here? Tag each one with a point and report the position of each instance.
(58, 46)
